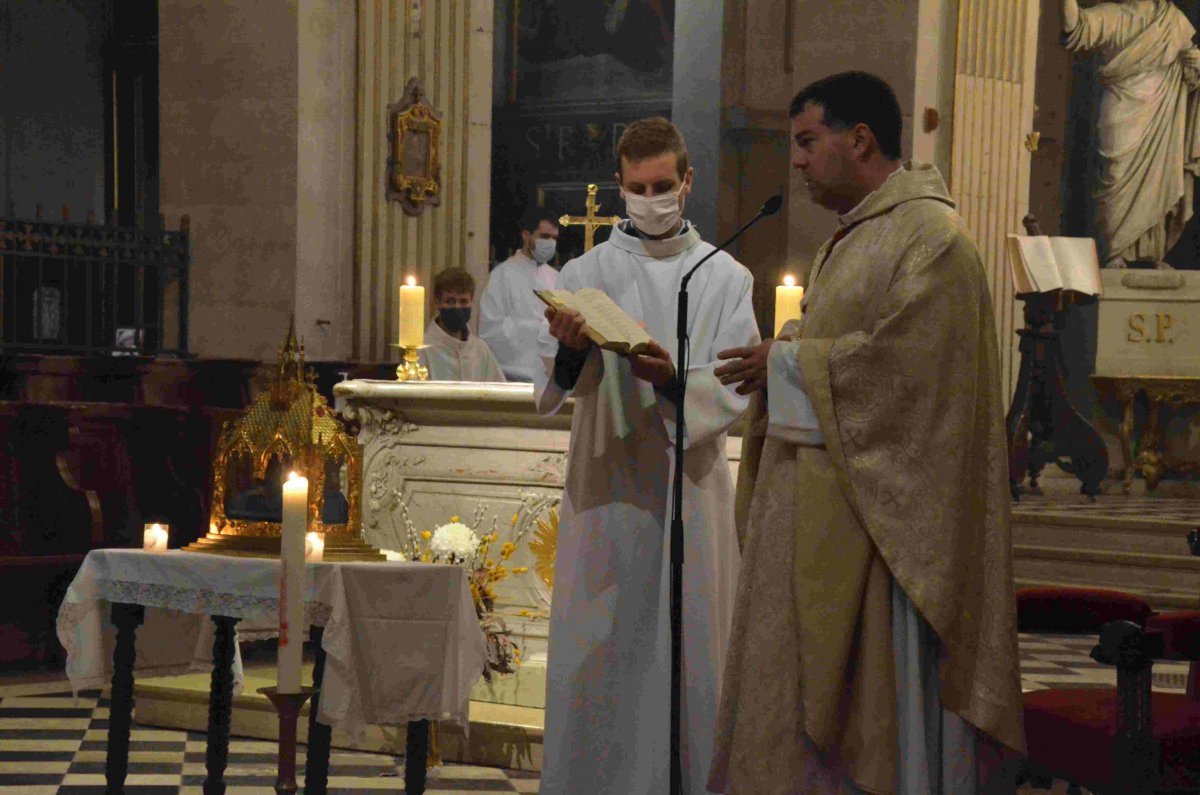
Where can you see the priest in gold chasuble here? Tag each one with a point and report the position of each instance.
(874, 643)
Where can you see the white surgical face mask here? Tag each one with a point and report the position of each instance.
(654, 216)
(543, 249)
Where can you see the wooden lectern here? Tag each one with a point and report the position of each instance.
(1042, 424)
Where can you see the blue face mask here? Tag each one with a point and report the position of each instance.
(454, 318)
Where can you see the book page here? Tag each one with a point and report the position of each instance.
(1038, 258)
(1022, 283)
(608, 325)
(1078, 263)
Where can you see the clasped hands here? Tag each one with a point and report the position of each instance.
(654, 366)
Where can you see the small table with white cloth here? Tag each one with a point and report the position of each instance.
(396, 643)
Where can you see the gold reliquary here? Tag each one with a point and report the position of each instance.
(289, 428)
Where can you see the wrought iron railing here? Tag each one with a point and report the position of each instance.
(87, 288)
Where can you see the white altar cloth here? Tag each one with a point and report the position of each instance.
(402, 640)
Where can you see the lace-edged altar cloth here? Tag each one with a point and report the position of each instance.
(402, 640)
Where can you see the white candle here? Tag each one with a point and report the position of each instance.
(314, 547)
(787, 302)
(412, 314)
(291, 585)
(154, 538)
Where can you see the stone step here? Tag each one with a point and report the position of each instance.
(1117, 569)
(500, 735)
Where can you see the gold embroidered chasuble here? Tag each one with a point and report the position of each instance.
(899, 356)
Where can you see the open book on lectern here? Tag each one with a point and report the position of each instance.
(607, 324)
(1041, 263)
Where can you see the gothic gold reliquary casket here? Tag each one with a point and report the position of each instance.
(289, 428)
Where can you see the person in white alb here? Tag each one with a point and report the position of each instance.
(509, 313)
(608, 683)
(451, 352)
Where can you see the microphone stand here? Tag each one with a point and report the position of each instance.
(770, 207)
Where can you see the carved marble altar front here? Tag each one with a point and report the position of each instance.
(445, 448)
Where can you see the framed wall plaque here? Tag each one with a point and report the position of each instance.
(414, 151)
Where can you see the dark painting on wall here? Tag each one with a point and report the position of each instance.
(579, 50)
(570, 76)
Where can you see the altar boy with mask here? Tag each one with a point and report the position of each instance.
(509, 312)
(452, 353)
(609, 670)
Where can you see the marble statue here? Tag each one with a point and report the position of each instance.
(1148, 141)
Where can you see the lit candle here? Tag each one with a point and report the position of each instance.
(412, 314)
(154, 538)
(787, 302)
(291, 585)
(314, 547)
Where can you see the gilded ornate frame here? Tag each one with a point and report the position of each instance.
(414, 151)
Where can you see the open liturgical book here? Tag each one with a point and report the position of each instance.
(1041, 264)
(607, 324)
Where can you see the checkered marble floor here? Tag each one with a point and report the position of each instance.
(1062, 661)
(53, 744)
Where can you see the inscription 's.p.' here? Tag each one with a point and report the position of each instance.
(1163, 323)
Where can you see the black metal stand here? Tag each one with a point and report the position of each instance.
(770, 207)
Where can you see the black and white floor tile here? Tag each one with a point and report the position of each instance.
(53, 744)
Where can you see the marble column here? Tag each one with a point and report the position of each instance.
(256, 149)
(448, 46)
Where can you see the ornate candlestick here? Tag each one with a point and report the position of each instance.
(288, 705)
(411, 368)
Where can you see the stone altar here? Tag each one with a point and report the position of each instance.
(446, 447)
(1148, 350)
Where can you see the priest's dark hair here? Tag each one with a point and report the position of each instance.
(851, 98)
(453, 280)
(651, 137)
(532, 218)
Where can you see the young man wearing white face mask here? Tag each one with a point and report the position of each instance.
(509, 312)
(609, 681)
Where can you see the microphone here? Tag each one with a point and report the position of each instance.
(675, 548)
(769, 207)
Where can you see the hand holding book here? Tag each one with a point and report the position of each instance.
(591, 316)
(605, 323)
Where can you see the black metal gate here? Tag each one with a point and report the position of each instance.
(86, 288)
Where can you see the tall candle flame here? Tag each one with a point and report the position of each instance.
(789, 280)
(292, 476)
(411, 281)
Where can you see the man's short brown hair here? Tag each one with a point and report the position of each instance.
(651, 137)
(453, 280)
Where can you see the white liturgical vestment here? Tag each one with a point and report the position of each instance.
(608, 688)
(452, 359)
(510, 314)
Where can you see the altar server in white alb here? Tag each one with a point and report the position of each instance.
(452, 352)
(509, 312)
(609, 677)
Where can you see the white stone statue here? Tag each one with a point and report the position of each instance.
(1149, 139)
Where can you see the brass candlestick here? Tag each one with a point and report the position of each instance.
(411, 368)
(288, 705)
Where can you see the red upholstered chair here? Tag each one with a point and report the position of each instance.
(1181, 631)
(1122, 741)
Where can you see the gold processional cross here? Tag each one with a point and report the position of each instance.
(590, 222)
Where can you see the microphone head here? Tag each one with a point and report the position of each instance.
(772, 205)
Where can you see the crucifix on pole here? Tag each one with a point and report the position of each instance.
(590, 221)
